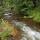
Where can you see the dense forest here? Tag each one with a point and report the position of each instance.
(30, 8)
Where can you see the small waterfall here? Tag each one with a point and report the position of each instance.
(28, 33)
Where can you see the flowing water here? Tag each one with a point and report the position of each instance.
(28, 32)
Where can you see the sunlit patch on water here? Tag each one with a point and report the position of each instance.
(28, 33)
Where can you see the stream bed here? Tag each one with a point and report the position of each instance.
(28, 32)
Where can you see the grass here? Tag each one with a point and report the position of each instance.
(35, 14)
(6, 29)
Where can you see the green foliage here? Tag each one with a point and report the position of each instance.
(21, 7)
(6, 31)
(36, 14)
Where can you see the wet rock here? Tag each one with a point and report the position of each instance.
(28, 32)
(8, 16)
